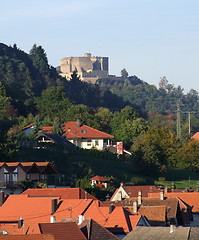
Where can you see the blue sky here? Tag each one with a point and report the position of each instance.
(150, 38)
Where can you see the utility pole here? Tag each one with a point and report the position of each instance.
(189, 120)
(178, 121)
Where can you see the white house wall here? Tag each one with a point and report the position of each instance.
(83, 143)
(121, 193)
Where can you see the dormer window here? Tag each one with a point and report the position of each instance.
(84, 131)
(15, 175)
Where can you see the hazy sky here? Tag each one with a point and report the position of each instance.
(150, 38)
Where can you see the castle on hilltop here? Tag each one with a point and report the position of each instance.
(88, 68)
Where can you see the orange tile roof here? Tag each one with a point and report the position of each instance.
(28, 237)
(118, 218)
(64, 193)
(34, 210)
(72, 131)
(195, 136)
(134, 219)
(63, 231)
(153, 213)
(30, 125)
(171, 204)
(191, 198)
(132, 191)
(12, 164)
(47, 129)
(99, 178)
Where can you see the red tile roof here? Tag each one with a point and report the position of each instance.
(132, 191)
(64, 193)
(27, 166)
(30, 125)
(99, 178)
(62, 231)
(191, 198)
(153, 213)
(92, 230)
(134, 219)
(72, 131)
(118, 218)
(28, 237)
(195, 136)
(47, 129)
(83, 131)
(34, 210)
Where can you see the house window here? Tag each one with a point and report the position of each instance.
(6, 176)
(15, 175)
(42, 177)
(28, 176)
(83, 131)
(96, 143)
(88, 142)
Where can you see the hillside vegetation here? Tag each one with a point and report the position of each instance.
(139, 114)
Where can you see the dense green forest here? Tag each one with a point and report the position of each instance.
(150, 98)
(139, 114)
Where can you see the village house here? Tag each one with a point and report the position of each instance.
(99, 181)
(21, 214)
(80, 135)
(160, 211)
(83, 229)
(86, 137)
(11, 173)
(52, 138)
(190, 198)
(124, 192)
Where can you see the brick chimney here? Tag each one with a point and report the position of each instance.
(135, 207)
(81, 219)
(162, 194)
(139, 197)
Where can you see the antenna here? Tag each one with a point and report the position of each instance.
(178, 121)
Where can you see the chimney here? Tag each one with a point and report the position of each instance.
(162, 194)
(81, 219)
(54, 205)
(78, 123)
(86, 195)
(111, 208)
(52, 219)
(172, 228)
(135, 206)
(2, 198)
(20, 222)
(122, 184)
(139, 197)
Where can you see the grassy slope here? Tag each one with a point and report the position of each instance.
(122, 171)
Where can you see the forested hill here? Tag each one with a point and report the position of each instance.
(149, 97)
(25, 75)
